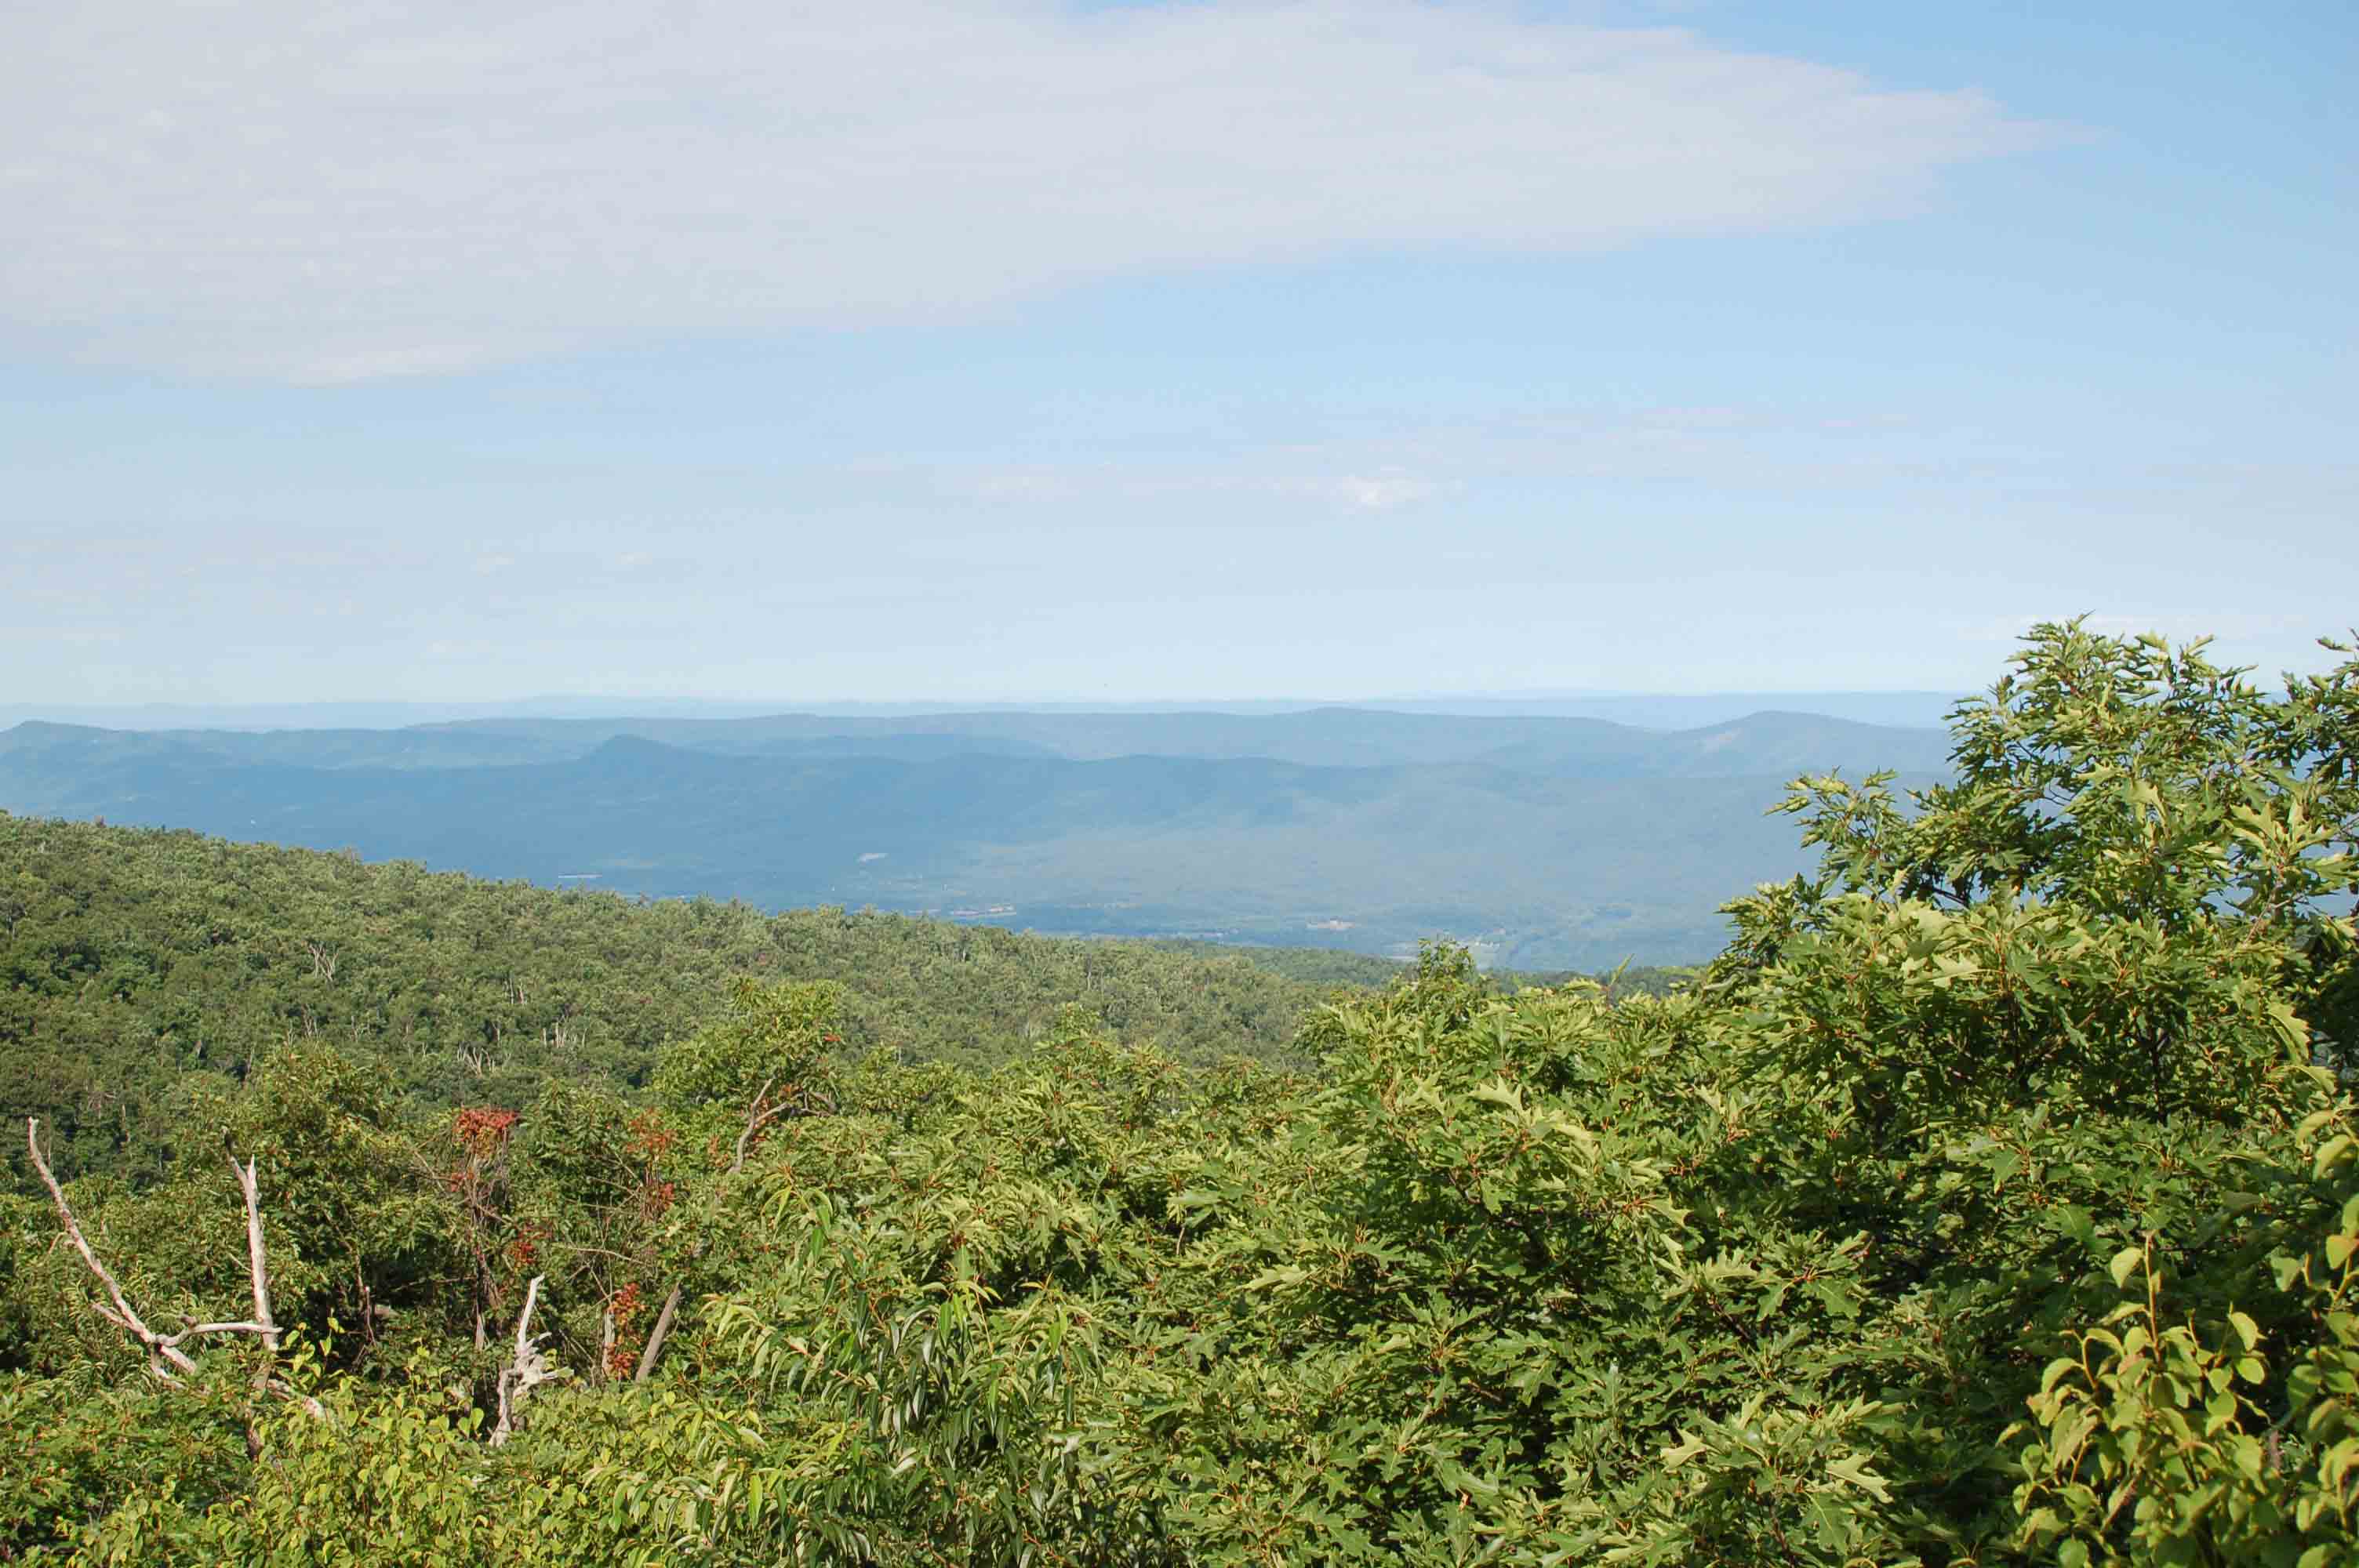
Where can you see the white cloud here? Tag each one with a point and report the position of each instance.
(1018, 485)
(1385, 490)
(1368, 492)
(329, 193)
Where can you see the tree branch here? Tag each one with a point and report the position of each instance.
(655, 1336)
(164, 1356)
(160, 1350)
(526, 1372)
(753, 1121)
(257, 1262)
(760, 1116)
(196, 1328)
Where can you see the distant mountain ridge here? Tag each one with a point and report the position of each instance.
(1551, 842)
(1655, 711)
(1766, 742)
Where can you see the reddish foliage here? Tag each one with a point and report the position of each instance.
(625, 1307)
(650, 1139)
(480, 1131)
(523, 1249)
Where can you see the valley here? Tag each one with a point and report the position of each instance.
(1541, 842)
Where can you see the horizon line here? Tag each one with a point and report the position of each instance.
(946, 704)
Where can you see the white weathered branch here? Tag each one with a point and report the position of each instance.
(526, 1372)
(164, 1356)
(196, 1328)
(292, 1394)
(258, 1262)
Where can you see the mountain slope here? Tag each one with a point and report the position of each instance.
(129, 958)
(1543, 869)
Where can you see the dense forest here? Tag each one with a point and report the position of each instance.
(135, 962)
(1992, 1197)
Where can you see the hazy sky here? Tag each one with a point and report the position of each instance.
(994, 348)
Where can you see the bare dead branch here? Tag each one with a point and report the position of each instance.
(166, 1359)
(164, 1356)
(753, 1121)
(257, 1260)
(195, 1329)
(526, 1372)
(655, 1336)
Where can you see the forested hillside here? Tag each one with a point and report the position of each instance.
(1991, 1198)
(1326, 967)
(1544, 843)
(136, 963)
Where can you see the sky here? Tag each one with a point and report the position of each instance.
(994, 350)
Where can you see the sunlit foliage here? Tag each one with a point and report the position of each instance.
(1993, 1198)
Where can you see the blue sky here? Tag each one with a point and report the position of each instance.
(993, 350)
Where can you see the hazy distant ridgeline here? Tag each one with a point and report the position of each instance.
(1553, 842)
(1768, 742)
(1659, 710)
(1322, 737)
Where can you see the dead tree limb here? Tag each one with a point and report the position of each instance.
(754, 1121)
(655, 1336)
(526, 1372)
(166, 1359)
(164, 1356)
(258, 1262)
